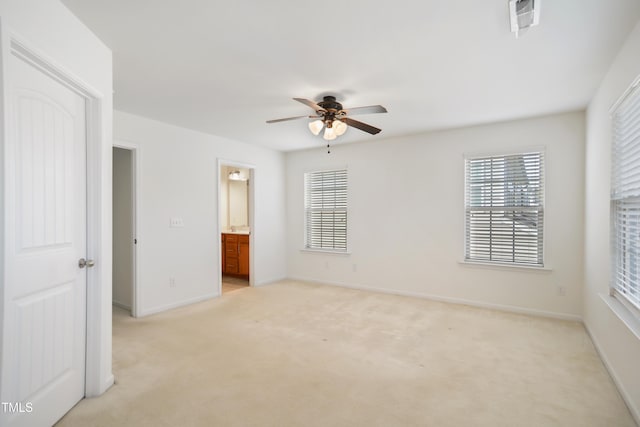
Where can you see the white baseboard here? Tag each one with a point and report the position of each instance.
(480, 304)
(631, 405)
(155, 310)
(121, 305)
(269, 281)
(106, 384)
(110, 381)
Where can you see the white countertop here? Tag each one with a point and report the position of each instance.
(245, 232)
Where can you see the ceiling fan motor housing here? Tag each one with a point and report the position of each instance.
(330, 104)
(332, 108)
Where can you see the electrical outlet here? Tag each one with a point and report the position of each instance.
(561, 291)
(172, 282)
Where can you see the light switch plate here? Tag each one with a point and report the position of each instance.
(176, 222)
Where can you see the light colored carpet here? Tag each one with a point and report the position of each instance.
(230, 284)
(295, 354)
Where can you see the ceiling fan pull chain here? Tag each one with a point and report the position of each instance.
(328, 149)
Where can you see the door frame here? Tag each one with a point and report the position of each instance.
(251, 210)
(135, 206)
(98, 374)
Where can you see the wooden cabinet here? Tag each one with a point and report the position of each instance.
(222, 250)
(231, 252)
(243, 256)
(235, 255)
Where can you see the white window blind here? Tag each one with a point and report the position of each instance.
(504, 204)
(625, 199)
(325, 201)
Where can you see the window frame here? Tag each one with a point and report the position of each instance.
(543, 265)
(307, 247)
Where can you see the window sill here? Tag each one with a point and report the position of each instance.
(505, 266)
(623, 313)
(325, 252)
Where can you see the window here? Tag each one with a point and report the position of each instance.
(504, 209)
(625, 199)
(325, 203)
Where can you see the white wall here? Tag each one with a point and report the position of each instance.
(619, 347)
(57, 34)
(178, 178)
(406, 216)
(122, 227)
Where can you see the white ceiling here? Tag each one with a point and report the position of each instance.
(224, 67)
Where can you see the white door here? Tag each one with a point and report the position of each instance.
(44, 322)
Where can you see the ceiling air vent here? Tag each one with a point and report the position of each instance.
(523, 14)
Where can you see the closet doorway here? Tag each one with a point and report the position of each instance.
(236, 226)
(124, 271)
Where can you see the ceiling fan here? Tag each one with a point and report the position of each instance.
(334, 118)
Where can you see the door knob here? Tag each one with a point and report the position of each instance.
(82, 263)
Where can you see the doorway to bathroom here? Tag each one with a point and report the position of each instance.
(235, 225)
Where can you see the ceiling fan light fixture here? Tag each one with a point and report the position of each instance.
(329, 134)
(316, 126)
(339, 127)
(334, 119)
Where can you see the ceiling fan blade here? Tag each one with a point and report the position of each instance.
(311, 104)
(293, 118)
(370, 109)
(362, 126)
